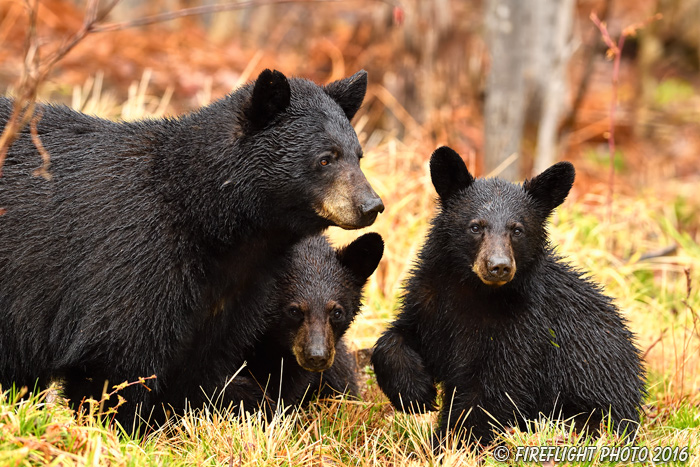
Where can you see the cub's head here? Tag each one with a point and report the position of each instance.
(308, 151)
(493, 227)
(320, 294)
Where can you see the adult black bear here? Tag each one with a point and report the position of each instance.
(508, 328)
(316, 298)
(109, 270)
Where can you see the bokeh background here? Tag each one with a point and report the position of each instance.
(428, 64)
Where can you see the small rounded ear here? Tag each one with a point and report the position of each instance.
(349, 92)
(550, 188)
(449, 172)
(362, 256)
(271, 95)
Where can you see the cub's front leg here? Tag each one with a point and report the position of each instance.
(401, 373)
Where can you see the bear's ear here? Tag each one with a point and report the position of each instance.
(271, 95)
(362, 256)
(349, 92)
(449, 172)
(550, 188)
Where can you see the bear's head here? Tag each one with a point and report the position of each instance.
(494, 228)
(320, 294)
(309, 154)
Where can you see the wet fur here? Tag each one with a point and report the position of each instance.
(546, 342)
(316, 281)
(154, 236)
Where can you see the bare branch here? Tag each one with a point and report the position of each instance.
(42, 171)
(35, 72)
(615, 52)
(613, 49)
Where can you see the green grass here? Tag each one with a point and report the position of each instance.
(653, 295)
(658, 295)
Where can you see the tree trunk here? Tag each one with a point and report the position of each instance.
(504, 111)
(552, 50)
(529, 44)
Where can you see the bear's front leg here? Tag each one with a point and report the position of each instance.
(402, 375)
(461, 419)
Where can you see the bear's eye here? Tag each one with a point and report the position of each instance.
(324, 161)
(475, 228)
(294, 311)
(517, 232)
(337, 313)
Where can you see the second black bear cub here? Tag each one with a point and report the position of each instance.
(315, 300)
(508, 328)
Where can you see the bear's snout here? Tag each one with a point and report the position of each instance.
(499, 267)
(314, 346)
(495, 264)
(496, 270)
(317, 357)
(369, 209)
(373, 206)
(350, 202)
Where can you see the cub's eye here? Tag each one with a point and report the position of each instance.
(517, 232)
(324, 161)
(337, 313)
(294, 311)
(475, 228)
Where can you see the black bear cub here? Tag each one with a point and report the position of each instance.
(315, 300)
(509, 329)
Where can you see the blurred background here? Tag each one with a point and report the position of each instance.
(512, 85)
(527, 82)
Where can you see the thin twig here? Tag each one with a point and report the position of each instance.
(35, 72)
(653, 344)
(42, 171)
(615, 52)
(589, 54)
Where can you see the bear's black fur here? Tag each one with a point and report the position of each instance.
(316, 298)
(508, 328)
(151, 235)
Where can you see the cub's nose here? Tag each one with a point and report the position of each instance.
(317, 359)
(499, 267)
(373, 206)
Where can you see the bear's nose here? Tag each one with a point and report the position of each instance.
(317, 361)
(372, 206)
(499, 267)
(316, 356)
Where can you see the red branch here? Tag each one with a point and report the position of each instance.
(615, 52)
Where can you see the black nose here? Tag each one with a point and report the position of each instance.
(317, 355)
(372, 206)
(499, 267)
(317, 361)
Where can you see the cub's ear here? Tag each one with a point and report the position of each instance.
(448, 172)
(349, 92)
(550, 188)
(271, 95)
(362, 256)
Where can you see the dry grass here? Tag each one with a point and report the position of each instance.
(658, 295)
